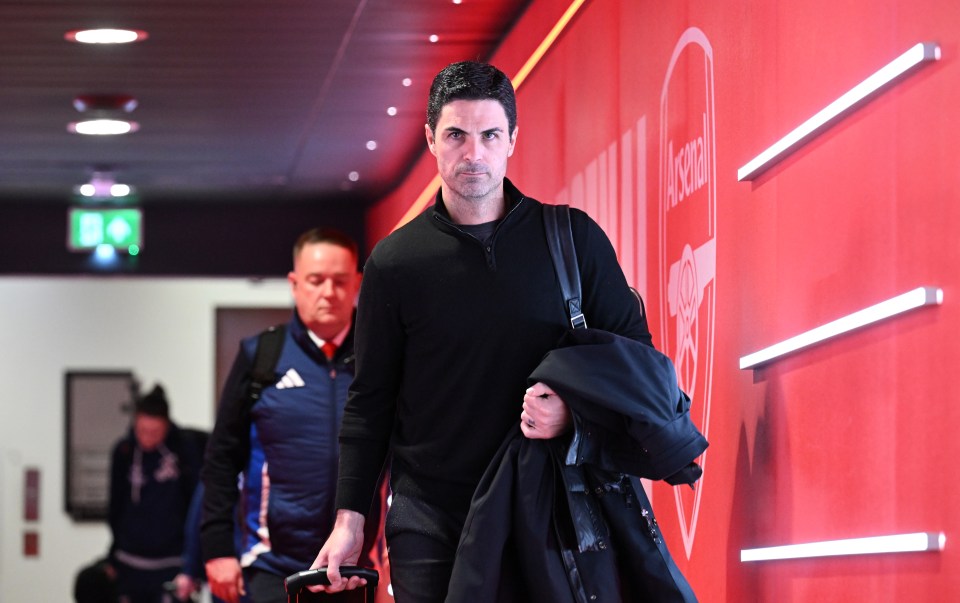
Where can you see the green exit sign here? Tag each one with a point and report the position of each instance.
(91, 228)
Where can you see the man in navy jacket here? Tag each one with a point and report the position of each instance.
(284, 447)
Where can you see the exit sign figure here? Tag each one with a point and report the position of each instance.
(88, 229)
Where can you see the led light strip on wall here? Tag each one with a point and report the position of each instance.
(920, 54)
(919, 297)
(897, 543)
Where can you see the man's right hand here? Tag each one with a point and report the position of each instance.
(225, 578)
(341, 548)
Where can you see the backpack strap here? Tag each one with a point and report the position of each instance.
(556, 221)
(263, 373)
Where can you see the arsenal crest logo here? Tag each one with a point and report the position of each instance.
(687, 240)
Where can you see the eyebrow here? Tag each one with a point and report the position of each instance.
(487, 131)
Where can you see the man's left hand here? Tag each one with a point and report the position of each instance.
(545, 415)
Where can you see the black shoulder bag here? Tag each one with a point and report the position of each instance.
(556, 219)
(653, 573)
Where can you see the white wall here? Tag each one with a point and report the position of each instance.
(160, 328)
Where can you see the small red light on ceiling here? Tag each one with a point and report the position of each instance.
(105, 102)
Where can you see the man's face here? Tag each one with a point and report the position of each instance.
(150, 431)
(324, 282)
(472, 142)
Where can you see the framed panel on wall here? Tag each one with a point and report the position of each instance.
(98, 406)
(232, 325)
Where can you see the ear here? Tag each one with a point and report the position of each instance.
(292, 279)
(513, 140)
(359, 282)
(431, 141)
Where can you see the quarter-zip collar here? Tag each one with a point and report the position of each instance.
(514, 200)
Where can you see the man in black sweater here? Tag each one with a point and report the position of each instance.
(456, 310)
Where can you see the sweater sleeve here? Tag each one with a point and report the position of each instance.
(371, 403)
(192, 564)
(119, 491)
(227, 452)
(608, 303)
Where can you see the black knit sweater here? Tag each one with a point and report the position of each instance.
(447, 332)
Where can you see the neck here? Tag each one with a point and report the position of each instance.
(326, 332)
(474, 211)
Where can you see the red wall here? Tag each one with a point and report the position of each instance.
(849, 438)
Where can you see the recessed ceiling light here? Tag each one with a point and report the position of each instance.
(353, 176)
(120, 190)
(103, 185)
(457, 1)
(434, 38)
(103, 127)
(391, 111)
(105, 36)
(91, 189)
(407, 82)
(372, 145)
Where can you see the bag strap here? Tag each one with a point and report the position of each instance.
(263, 373)
(556, 221)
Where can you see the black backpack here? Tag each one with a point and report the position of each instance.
(263, 372)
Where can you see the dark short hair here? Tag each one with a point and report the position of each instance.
(153, 404)
(327, 235)
(471, 80)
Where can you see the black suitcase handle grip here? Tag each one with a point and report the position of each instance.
(296, 582)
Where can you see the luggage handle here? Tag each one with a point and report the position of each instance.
(295, 583)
